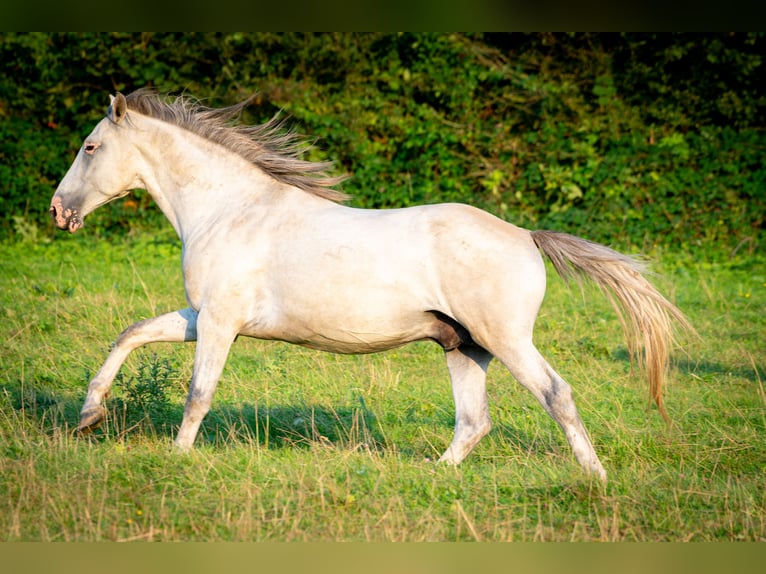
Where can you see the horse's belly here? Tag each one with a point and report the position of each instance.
(342, 330)
(354, 342)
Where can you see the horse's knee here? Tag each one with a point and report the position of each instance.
(197, 406)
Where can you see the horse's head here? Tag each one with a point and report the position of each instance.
(102, 171)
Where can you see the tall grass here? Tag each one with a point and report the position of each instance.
(306, 446)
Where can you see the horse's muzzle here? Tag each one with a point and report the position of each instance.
(68, 219)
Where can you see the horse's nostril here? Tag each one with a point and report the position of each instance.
(52, 211)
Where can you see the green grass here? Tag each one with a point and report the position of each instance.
(307, 446)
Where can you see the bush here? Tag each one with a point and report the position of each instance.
(147, 397)
(627, 138)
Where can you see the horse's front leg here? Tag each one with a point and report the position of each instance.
(172, 327)
(215, 335)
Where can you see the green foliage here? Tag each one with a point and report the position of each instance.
(633, 139)
(694, 79)
(148, 395)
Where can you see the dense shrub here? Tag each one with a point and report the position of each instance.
(633, 139)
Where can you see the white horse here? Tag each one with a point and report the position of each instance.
(269, 252)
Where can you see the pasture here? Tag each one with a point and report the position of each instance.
(307, 446)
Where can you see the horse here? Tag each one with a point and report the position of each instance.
(270, 250)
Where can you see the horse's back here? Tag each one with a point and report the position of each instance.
(452, 248)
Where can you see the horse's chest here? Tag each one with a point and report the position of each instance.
(224, 278)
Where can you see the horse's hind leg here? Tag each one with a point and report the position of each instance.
(531, 370)
(467, 366)
(170, 327)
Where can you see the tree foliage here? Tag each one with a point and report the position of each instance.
(627, 138)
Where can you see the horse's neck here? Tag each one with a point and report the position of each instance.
(195, 182)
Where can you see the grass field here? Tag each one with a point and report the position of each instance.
(307, 446)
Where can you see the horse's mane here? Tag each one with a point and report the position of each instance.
(268, 146)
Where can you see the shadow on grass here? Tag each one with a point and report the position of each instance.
(289, 426)
(278, 426)
(273, 427)
(48, 407)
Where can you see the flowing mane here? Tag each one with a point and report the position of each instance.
(268, 146)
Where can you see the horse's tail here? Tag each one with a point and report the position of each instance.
(650, 315)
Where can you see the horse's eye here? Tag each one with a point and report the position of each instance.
(90, 147)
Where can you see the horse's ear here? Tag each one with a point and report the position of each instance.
(118, 107)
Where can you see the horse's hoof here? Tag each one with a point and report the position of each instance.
(90, 420)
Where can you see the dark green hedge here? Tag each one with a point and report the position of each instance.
(632, 139)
